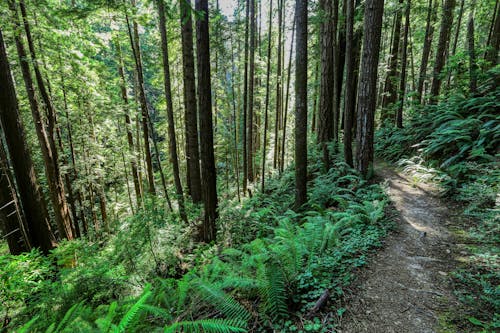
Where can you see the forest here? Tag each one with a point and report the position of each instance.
(249, 166)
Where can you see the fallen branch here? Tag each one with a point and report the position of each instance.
(323, 299)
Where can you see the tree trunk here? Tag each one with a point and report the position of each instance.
(268, 72)
(208, 172)
(472, 53)
(390, 87)
(251, 85)
(334, 131)
(492, 52)
(374, 10)
(45, 135)
(245, 101)
(12, 223)
(429, 32)
(279, 110)
(285, 116)
(301, 104)
(350, 97)
(33, 203)
(128, 125)
(190, 107)
(442, 48)
(170, 111)
(404, 61)
(136, 50)
(326, 95)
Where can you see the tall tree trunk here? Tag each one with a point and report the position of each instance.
(442, 48)
(12, 223)
(190, 107)
(33, 203)
(429, 32)
(494, 42)
(404, 61)
(334, 131)
(301, 104)
(472, 53)
(235, 121)
(251, 85)
(264, 142)
(285, 116)
(457, 36)
(46, 136)
(326, 95)
(278, 86)
(245, 100)
(350, 97)
(170, 111)
(136, 50)
(208, 172)
(339, 71)
(390, 87)
(128, 125)
(374, 10)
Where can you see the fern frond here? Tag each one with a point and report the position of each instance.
(134, 311)
(208, 326)
(224, 303)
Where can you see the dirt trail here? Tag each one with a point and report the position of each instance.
(404, 289)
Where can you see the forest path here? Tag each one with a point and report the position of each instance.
(405, 288)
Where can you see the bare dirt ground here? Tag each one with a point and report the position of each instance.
(405, 287)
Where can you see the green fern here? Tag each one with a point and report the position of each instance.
(208, 326)
(128, 319)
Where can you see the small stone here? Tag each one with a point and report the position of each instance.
(443, 273)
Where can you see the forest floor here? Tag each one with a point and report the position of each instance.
(406, 288)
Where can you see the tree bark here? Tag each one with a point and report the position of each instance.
(46, 136)
(264, 142)
(350, 97)
(390, 87)
(190, 107)
(170, 111)
(128, 125)
(404, 62)
(285, 116)
(279, 107)
(136, 50)
(493, 46)
(33, 203)
(374, 10)
(245, 101)
(12, 223)
(208, 172)
(251, 86)
(472, 53)
(429, 32)
(326, 95)
(301, 104)
(442, 48)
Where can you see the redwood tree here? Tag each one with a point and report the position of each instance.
(367, 94)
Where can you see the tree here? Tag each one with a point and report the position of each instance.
(190, 107)
(208, 172)
(326, 94)
(494, 41)
(245, 100)
(390, 87)
(12, 224)
(429, 32)
(251, 88)
(442, 48)
(170, 110)
(367, 93)
(136, 51)
(404, 61)
(472, 52)
(301, 104)
(350, 96)
(264, 142)
(32, 201)
(45, 133)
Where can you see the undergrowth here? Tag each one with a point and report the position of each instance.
(269, 267)
(455, 144)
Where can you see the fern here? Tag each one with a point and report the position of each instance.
(274, 293)
(128, 319)
(208, 326)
